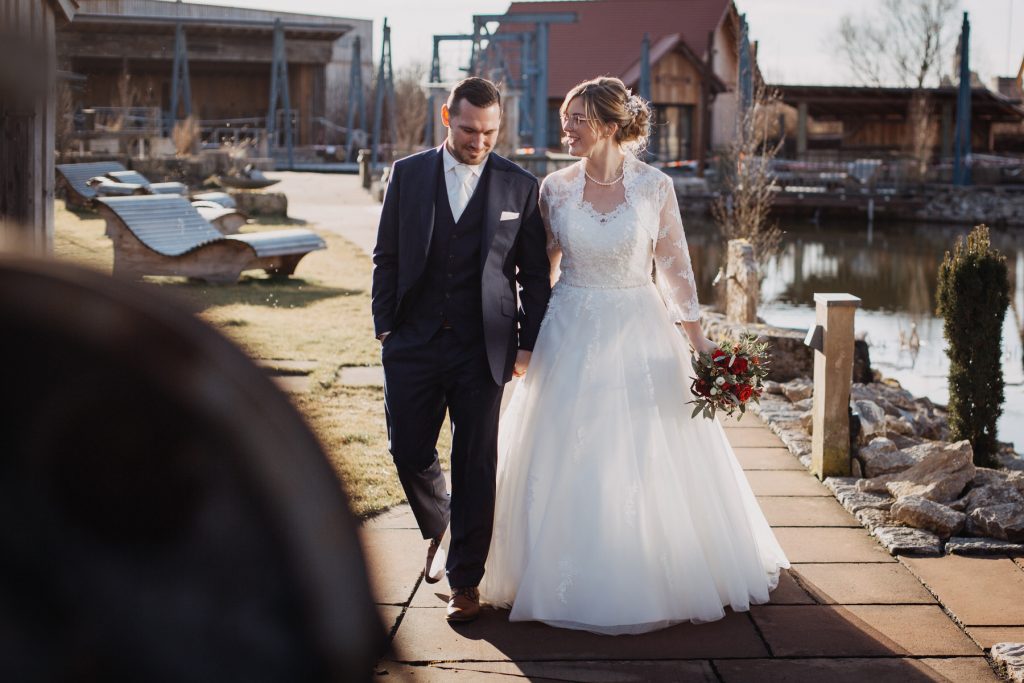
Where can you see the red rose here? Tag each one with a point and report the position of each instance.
(745, 392)
(739, 366)
(717, 354)
(726, 386)
(702, 387)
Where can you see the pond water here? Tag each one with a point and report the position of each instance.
(893, 269)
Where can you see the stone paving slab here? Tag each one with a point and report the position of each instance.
(767, 459)
(809, 511)
(861, 630)
(980, 591)
(594, 672)
(389, 616)
(987, 636)
(883, 670)
(789, 592)
(741, 437)
(425, 636)
(371, 376)
(398, 517)
(785, 483)
(862, 584)
(830, 545)
(394, 559)
(748, 421)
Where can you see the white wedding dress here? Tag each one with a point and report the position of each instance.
(616, 511)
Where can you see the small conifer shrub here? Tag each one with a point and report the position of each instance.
(973, 295)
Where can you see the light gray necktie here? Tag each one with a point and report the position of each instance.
(462, 176)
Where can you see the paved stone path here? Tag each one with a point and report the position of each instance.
(846, 611)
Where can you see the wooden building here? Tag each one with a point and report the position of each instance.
(125, 50)
(27, 115)
(854, 121)
(694, 63)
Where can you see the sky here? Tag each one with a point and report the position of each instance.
(794, 36)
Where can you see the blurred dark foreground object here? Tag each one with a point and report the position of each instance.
(165, 514)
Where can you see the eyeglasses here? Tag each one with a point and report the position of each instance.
(575, 119)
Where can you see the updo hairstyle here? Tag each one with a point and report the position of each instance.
(609, 101)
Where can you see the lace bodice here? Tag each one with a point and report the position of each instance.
(617, 249)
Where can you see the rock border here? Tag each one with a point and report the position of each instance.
(912, 490)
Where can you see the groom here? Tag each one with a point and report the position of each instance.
(459, 227)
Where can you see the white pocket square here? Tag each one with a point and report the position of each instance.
(508, 216)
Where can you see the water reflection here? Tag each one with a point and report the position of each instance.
(893, 269)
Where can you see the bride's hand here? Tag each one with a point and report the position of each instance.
(522, 362)
(704, 345)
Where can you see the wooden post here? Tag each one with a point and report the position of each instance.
(832, 340)
(801, 129)
(742, 285)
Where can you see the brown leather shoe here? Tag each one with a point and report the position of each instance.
(435, 544)
(464, 604)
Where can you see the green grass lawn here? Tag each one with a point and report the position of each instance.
(322, 314)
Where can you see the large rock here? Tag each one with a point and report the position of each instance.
(899, 540)
(941, 476)
(994, 493)
(798, 389)
(965, 545)
(1005, 522)
(258, 203)
(873, 517)
(872, 420)
(882, 457)
(1009, 658)
(899, 425)
(922, 513)
(855, 500)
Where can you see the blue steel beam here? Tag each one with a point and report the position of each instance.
(385, 95)
(962, 143)
(180, 84)
(279, 91)
(356, 106)
(746, 72)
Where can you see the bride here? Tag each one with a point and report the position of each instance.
(616, 511)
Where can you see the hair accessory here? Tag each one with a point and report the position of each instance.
(634, 104)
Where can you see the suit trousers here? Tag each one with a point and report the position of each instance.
(423, 380)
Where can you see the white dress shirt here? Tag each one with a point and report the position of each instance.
(461, 180)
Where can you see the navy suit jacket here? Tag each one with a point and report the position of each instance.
(513, 250)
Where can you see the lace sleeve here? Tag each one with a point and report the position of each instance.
(554, 247)
(672, 259)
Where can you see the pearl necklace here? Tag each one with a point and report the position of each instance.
(611, 182)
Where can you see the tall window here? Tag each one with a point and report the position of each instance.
(672, 137)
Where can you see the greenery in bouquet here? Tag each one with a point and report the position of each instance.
(730, 377)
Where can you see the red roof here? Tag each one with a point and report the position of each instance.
(606, 38)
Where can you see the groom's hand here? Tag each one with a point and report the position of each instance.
(522, 362)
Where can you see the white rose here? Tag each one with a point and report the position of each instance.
(720, 381)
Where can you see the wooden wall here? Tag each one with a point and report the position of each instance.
(27, 116)
(675, 80)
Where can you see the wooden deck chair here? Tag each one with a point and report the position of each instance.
(166, 235)
(74, 179)
(83, 183)
(136, 178)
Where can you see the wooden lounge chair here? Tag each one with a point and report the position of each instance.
(74, 179)
(83, 183)
(166, 235)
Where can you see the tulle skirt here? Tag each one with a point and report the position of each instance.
(616, 511)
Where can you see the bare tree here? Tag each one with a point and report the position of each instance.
(411, 105)
(747, 185)
(900, 44)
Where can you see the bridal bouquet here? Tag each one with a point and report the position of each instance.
(729, 377)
